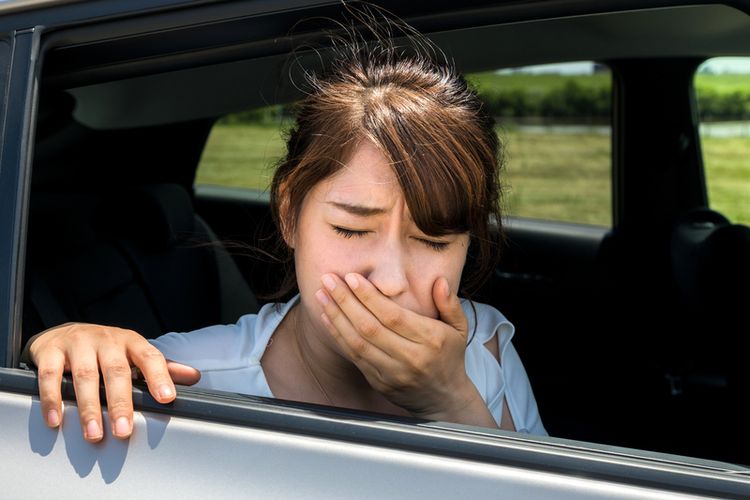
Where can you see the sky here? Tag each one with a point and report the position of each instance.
(716, 65)
(728, 65)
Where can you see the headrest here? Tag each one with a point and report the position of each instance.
(710, 258)
(725, 266)
(155, 215)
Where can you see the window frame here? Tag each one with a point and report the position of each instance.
(16, 137)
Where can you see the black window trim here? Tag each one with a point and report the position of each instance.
(15, 179)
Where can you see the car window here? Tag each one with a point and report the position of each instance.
(555, 122)
(243, 149)
(723, 91)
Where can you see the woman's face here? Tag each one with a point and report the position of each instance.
(358, 221)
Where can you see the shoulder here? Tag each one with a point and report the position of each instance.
(221, 347)
(487, 324)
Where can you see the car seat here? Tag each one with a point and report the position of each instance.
(137, 258)
(710, 339)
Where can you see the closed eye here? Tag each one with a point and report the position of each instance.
(349, 233)
(435, 245)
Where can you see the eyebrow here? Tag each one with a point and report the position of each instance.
(359, 210)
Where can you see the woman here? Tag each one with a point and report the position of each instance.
(390, 178)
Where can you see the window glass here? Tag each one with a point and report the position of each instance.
(553, 120)
(4, 62)
(555, 123)
(723, 92)
(243, 149)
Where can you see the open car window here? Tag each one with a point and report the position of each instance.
(723, 92)
(553, 121)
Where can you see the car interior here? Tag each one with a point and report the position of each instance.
(631, 334)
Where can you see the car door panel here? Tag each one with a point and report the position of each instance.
(249, 447)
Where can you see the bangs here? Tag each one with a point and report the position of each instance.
(440, 165)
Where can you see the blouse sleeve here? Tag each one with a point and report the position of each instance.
(504, 381)
(520, 397)
(210, 348)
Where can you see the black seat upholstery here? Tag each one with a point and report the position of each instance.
(711, 262)
(710, 339)
(138, 258)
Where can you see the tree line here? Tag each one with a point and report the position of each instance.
(570, 101)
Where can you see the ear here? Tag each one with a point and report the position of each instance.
(285, 216)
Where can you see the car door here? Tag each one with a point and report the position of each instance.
(211, 443)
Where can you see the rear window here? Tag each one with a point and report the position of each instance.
(243, 149)
(555, 123)
(723, 91)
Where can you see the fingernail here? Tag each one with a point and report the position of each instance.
(93, 431)
(352, 281)
(165, 391)
(122, 426)
(322, 297)
(53, 418)
(328, 282)
(447, 289)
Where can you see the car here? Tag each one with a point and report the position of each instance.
(631, 327)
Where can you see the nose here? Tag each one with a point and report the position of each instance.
(388, 272)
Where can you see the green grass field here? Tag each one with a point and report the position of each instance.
(543, 83)
(724, 84)
(547, 176)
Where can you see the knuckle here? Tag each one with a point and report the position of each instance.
(78, 333)
(86, 373)
(119, 405)
(402, 380)
(117, 369)
(359, 346)
(340, 295)
(369, 329)
(393, 319)
(420, 365)
(436, 342)
(89, 410)
(48, 401)
(49, 372)
(149, 354)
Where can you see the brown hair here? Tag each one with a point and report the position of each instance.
(425, 120)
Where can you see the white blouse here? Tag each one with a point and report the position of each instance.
(228, 357)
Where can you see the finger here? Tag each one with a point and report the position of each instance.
(367, 324)
(116, 373)
(50, 371)
(85, 372)
(449, 305)
(370, 360)
(183, 374)
(340, 327)
(150, 361)
(406, 323)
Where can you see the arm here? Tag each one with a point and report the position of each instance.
(85, 350)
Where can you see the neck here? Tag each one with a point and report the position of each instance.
(340, 380)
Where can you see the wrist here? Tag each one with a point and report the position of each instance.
(464, 405)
